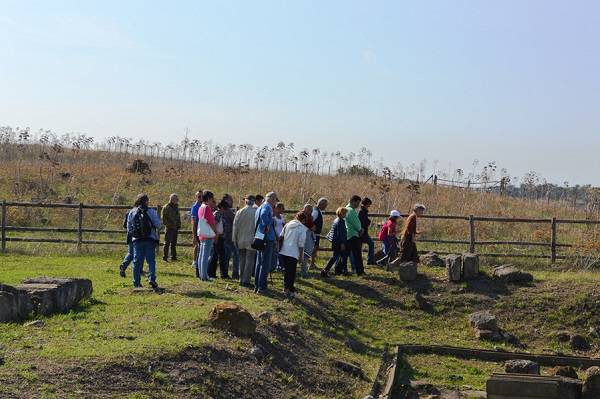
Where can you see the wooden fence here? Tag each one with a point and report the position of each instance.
(470, 245)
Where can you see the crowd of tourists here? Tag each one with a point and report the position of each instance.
(258, 240)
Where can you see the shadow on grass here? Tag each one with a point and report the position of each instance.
(484, 285)
(206, 294)
(360, 289)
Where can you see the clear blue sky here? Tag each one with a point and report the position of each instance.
(517, 82)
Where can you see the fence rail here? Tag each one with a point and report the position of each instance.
(471, 244)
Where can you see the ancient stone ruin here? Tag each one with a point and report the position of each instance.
(462, 267)
(42, 296)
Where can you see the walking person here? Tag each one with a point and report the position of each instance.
(408, 243)
(129, 257)
(143, 224)
(292, 251)
(354, 232)
(194, 217)
(388, 236)
(317, 216)
(265, 231)
(338, 237)
(242, 237)
(207, 233)
(365, 222)
(171, 219)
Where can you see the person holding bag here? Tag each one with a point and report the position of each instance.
(207, 234)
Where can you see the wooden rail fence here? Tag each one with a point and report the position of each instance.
(470, 245)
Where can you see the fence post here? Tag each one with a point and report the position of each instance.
(472, 234)
(4, 213)
(553, 241)
(80, 227)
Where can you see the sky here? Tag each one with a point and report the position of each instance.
(514, 81)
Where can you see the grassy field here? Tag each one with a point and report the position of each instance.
(122, 343)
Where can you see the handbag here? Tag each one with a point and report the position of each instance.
(204, 229)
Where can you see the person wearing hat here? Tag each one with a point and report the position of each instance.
(242, 236)
(387, 235)
(408, 245)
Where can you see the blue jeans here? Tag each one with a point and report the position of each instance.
(144, 250)
(129, 257)
(203, 257)
(263, 266)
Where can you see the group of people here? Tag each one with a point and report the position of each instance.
(258, 241)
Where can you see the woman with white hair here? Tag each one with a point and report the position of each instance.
(408, 245)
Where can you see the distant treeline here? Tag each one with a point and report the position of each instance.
(52, 149)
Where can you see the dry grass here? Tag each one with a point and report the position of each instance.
(101, 177)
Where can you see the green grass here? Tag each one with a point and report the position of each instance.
(117, 323)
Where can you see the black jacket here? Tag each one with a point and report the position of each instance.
(365, 222)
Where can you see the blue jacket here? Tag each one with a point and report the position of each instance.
(338, 234)
(263, 219)
(154, 218)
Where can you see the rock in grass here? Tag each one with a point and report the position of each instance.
(483, 320)
(564, 371)
(563, 336)
(355, 346)
(510, 274)
(591, 386)
(350, 368)
(488, 335)
(232, 317)
(522, 367)
(432, 259)
(258, 352)
(579, 343)
(407, 271)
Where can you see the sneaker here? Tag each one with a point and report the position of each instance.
(324, 273)
(153, 285)
(194, 264)
(165, 259)
(173, 259)
(122, 271)
(137, 286)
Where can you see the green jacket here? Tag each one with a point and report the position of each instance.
(353, 225)
(170, 216)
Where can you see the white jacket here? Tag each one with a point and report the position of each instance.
(294, 236)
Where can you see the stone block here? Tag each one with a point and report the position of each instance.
(470, 266)
(407, 271)
(454, 267)
(55, 295)
(14, 304)
(483, 320)
(508, 386)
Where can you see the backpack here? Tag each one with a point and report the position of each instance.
(142, 225)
